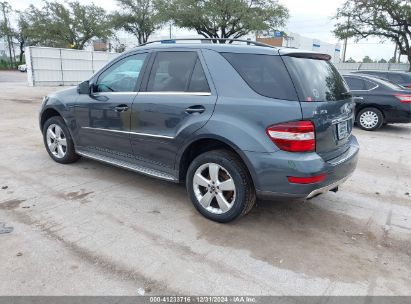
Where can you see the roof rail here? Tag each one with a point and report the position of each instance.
(212, 40)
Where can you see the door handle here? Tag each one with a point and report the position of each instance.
(121, 108)
(358, 98)
(195, 109)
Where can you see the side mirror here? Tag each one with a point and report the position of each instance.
(84, 87)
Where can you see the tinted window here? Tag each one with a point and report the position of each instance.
(265, 74)
(316, 80)
(406, 77)
(389, 84)
(355, 83)
(369, 85)
(397, 78)
(122, 76)
(198, 82)
(171, 71)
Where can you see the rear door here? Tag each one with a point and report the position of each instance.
(325, 100)
(176, 99)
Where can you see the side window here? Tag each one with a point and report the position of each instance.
(171, 71)
(198, 82)
(265, 74)
(355, 83)
(369, 85)
(122, 76)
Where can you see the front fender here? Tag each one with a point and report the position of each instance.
(62, 103)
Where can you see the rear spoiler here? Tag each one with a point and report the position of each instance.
(308, 55)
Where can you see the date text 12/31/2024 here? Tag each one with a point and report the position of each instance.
(203, 299)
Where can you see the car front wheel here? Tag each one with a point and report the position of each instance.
(58, 141)
(220, 186)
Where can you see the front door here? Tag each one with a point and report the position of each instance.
(104, 115)
(176, 100)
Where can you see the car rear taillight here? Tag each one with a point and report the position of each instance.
(403, 98)
(296, 136)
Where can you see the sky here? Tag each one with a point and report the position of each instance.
(310, 18)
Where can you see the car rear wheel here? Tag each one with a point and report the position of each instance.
(220, 186)
(58, 141)
(370, 119)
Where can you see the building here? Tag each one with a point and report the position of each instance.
(305, 43)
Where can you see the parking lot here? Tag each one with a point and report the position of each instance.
(92, 229)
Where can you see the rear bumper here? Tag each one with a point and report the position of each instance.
(400, 114)
(272, 169)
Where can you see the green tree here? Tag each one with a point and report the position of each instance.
(225, 18)
(71, 25)
(351, 60)
(367, 59)
(392, 60)
(20, 34)
(382, 60)
(386, 19)
(5, 29)
(138, 17)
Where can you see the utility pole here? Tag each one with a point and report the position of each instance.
(5, 6)
(346, 40)
(170, 29)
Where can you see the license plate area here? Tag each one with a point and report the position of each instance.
(343, 130)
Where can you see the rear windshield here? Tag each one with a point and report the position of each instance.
(401, 78)
(316, 80)
(265, 74)
(391, 85)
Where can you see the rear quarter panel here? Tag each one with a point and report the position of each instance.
(241, 115)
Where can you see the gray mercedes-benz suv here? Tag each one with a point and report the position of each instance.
(234, 122)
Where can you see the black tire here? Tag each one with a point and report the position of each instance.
(70, 155)
(244, 198)
(372, 126)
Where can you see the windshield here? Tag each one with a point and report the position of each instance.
(316, 80)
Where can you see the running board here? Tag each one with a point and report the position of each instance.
(128, 166)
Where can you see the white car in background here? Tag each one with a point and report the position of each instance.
(22, 67)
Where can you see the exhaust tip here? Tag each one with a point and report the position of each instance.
(334, 189)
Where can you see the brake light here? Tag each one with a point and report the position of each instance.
(307, 180)
(296, 136)
(409, 86)
(403, 98)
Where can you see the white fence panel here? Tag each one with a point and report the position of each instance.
(60, 67)
(399, 67)
(348, 66)
(375, 66)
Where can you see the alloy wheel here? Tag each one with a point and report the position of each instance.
(214, 188)
(56, 141)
